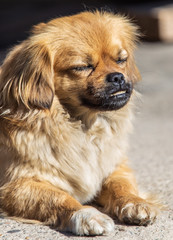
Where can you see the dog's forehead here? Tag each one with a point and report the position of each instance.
(93, 41)
(82, 40)
(84, 53)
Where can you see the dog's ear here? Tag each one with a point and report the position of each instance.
(27, 76)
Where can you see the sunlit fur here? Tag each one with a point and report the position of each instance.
(55, 153)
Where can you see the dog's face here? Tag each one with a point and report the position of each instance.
(86, 60)
(95, 67)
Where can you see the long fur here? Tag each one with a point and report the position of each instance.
(55, 153)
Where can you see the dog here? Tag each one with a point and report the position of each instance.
(66, 105)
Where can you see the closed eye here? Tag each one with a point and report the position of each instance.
(120, 61)
(83, 68)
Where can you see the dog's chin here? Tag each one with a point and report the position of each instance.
(107, 101)
(107, 104)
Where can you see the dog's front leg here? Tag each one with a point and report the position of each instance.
(31, 198)
(120, 198)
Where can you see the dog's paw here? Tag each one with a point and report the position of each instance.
(138, 213)
(89, 221)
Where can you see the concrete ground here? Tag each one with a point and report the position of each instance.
(151, 152)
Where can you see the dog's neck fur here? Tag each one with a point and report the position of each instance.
(88, 116)
(80, 113)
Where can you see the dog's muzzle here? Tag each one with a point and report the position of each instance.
(113, 96)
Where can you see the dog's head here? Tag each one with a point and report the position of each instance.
(85, 60)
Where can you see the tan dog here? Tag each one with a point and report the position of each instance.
(66, 97)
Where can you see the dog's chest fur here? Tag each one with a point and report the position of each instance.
(70, 157)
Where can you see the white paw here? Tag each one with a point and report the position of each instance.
(141, 213)
(89, 221)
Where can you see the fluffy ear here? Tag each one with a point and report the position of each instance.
(27, 77)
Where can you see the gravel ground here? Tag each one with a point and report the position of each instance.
(151, 152)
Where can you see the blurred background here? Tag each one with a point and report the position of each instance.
(155, 18)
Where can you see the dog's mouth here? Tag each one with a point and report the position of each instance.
(118, 94)
(111, 98)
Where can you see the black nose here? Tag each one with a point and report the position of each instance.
(115, 78)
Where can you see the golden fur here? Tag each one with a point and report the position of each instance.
(56, 153)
